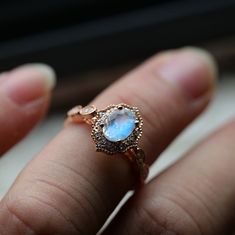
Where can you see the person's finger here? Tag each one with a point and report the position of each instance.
(24, 97)
(70, 189)
(170, 89)
(194, 196)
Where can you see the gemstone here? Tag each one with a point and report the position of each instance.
(89, 109)
(119, 124)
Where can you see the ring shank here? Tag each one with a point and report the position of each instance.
(137, 157)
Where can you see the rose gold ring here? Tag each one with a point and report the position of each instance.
(116, 129)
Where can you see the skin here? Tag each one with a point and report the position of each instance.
(70, 189)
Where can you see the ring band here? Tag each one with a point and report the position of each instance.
(115, 129)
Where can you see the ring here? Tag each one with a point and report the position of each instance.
(116, 129)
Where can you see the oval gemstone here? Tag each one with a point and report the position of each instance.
(119, 124)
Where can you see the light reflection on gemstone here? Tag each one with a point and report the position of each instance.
(119, 124)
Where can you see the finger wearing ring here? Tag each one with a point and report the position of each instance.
(116, 129)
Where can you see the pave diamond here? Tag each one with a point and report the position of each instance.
(119, 124)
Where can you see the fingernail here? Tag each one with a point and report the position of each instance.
(193, 70)
(28, 83)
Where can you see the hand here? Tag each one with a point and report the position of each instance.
(70, 189)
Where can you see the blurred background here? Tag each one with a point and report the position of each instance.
(90, 43)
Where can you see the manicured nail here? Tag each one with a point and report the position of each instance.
(192, 70)
(28, 83)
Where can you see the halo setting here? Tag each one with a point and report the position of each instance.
(117, 128)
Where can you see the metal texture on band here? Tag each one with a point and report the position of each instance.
(116, 129)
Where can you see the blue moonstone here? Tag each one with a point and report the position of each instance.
(119, 125)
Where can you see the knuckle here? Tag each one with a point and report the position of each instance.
(50, 207)
(167, 216)
(33, 215)
(83, 195)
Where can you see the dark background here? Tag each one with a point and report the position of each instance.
(91, 43)
(79, 36)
